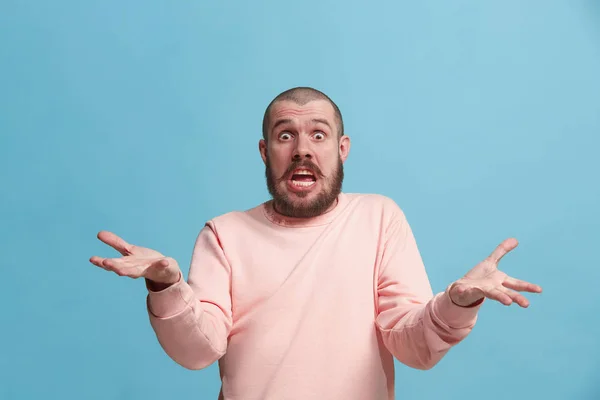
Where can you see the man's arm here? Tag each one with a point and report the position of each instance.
(192, 320)
(417, 327)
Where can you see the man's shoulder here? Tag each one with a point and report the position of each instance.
(238, 218)
(374, 200)
(376, 206)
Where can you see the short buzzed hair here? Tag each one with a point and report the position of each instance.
(302, 95)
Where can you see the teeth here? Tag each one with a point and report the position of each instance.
(303, 184)
(303, 172)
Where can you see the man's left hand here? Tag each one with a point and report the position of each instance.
(486, 280)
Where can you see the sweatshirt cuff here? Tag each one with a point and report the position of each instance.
(454, 315)
(170, 301)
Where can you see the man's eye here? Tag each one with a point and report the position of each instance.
(285, 136)
(319, 136)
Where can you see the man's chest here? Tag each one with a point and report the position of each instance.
(289, 271)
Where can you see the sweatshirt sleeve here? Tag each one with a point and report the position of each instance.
(417, 327)
(192, 319)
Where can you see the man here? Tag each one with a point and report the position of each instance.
(311, 294)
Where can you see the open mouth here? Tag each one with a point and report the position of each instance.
(303, 178)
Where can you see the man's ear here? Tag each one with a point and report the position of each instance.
(262, 148)
(344, 147)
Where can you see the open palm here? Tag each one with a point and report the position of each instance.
(137, 261)
(485, 280)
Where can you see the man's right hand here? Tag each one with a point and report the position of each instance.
(138, 262)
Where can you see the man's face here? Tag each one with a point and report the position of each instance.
(304, 158)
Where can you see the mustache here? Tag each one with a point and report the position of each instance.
(302, 164)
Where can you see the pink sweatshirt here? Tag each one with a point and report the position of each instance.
(308, 309)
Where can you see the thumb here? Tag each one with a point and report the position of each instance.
(164, 270)
(163, 263)
(464, 294)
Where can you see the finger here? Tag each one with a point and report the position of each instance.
(117, 265)
(516, 297)
(520, 285)
(462, 289)
(132, 268)
(498, 295)
(122, 262)
(97, 261)
(164, 270)
(503, 249)
(115, 242)
(463, 294)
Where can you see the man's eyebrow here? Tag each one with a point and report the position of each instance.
(321, 121)
(289, 121)
(281, 122)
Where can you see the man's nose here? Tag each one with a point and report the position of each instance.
(302, 149)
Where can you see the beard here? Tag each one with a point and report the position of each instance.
(300, 208)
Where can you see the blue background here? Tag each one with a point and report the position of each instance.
(481, 119)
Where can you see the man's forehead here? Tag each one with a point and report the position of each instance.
(290, 109)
